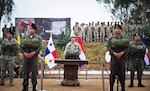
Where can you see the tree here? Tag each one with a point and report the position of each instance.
(129, 10)
(6, 8)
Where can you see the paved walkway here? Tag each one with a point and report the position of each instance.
(91, 85)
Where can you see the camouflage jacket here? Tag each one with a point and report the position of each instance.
(136, 50)
(30, 44)
(10, 47)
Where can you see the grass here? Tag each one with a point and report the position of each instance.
(94, 51)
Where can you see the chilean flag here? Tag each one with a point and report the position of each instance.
(107, 56)
(82, 55)
(50, 54)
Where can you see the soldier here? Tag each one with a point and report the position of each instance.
(72, 49)
(18, 63)
(137, 51)
(117, 45)
(30, 47)
(89, 32)
(5, 31)
(10, 49)
(82, 31)
(76, 29)
(102, 32)
(12, 29)
(96, 33)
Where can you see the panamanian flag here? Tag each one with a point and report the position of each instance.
(82, 55)
(50, 54)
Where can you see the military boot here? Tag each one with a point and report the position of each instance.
(34, 88)
(131, 84)
(2, 82)
(25, 88)
(140, 83)
(11, 82)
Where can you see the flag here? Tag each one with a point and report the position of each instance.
(82, 55)
(107, 56)
(19, 39)
(146, 59)
(50, 54)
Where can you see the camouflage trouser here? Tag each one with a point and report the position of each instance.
(136, 65)
(7, 64)
(102, 35)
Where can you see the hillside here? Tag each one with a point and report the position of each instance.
(94, 51)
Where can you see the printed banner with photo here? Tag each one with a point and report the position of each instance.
(44, 26)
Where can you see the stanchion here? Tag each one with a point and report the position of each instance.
(86, 79)
(102, 68)
(42, 71)
(59, 73)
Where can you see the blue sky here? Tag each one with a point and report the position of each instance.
(78, 10)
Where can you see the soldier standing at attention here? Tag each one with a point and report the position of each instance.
(137, 51)
(5, 31)
(76, 29)
(30, 47)
(118, 47)
(10, 49)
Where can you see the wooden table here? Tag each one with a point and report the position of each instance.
(70, 70)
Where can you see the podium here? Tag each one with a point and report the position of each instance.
(70, 70)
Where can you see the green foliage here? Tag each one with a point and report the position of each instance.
(63, 38)
(129, 10)
(147, 34)
(6, 8)
(127, 36)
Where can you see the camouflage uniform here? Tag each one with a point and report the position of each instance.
(9, 52)
(117, 66)
(136, 56)
(18, 65)
(76, 29)
(5, 31)
(30, 44)
(73, 47)
(89, 32)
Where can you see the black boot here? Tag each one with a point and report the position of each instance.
(25, 88)
(131, 84)
(111, 82)
(2, 82)
(122, 85)
(140, 83)
(34, 88)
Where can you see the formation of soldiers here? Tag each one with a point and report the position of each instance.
(100, 31)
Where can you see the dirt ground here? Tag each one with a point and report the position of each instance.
(85, 85)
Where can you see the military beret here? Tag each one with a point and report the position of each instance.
(33, 26)
(136, 34)
(10, 33)
(119, 26)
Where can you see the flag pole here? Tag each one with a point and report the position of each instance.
(86, 79)
(102, 68)
(59, 73)
(42, 71)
